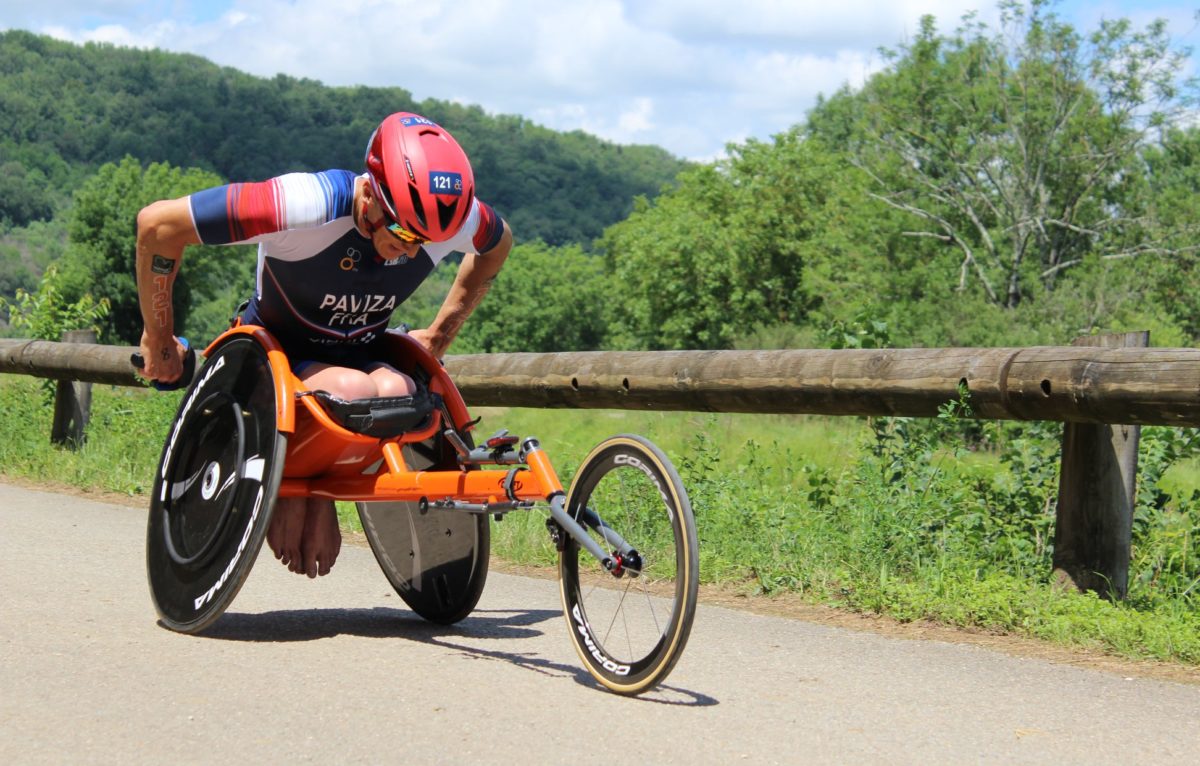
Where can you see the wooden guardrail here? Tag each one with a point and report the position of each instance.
(1139, 386)
(1115, 389)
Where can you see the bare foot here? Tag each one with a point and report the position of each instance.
(287, 530)
(322, 539)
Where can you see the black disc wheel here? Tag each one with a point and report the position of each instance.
(630, 625)
(215, 487)
(436, 560)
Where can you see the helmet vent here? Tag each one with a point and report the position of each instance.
(446, 213)
(418, 207)
(389, 203)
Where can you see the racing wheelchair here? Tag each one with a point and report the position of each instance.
(248, 431)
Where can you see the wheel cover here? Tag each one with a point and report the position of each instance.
(437, 561)
(215, 487)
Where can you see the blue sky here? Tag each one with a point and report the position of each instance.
(688, 75)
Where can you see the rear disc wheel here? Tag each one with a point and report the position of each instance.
(436, 560)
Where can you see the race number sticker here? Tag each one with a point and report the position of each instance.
(444, 182)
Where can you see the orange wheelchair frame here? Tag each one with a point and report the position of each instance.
(249, 431)
(325, 459)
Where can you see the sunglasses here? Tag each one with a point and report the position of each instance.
(404, 235)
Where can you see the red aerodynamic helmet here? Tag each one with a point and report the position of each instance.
(420, 175)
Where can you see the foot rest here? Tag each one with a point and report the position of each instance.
(381, 416)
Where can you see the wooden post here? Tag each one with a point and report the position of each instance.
(1094, 528)
(72, 401)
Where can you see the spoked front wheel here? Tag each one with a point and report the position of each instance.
(630, 625)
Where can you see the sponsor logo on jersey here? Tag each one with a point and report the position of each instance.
(355, 310)
(350, 261)
(357, 340)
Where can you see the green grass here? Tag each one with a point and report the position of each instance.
(894, 517)
(124, 438)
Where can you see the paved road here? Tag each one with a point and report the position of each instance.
(338, 671)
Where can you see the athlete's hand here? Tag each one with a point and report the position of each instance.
(162, 357)
(434, 343)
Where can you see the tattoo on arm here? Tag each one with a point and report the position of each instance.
(162, 301)
(161, 265)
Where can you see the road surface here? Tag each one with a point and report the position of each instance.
(337, 670)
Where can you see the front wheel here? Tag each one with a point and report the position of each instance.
(630, 625)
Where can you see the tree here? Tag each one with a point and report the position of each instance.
(66, 109)
(1017, 150)
(103, 238)
(1172, 172)
(45, 314)
(24, 195)
(544, 299)
(764, 238)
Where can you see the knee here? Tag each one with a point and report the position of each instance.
(393, 384)
(351, 384)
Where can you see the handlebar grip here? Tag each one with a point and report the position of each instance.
(189, 368)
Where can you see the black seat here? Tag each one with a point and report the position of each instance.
(382, 416)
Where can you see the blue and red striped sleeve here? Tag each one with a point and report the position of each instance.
(241, 211)
(236, 212)
(490, 229)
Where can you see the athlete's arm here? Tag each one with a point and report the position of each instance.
(164, 229)
(475, 276)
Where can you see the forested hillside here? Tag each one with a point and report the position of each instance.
(65, 110)
(1016, 185)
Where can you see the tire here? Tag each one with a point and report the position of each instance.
(215, 487)
(630, 630)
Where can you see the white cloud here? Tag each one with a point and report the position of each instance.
(638, 119)
(690, 75)
(813, 25)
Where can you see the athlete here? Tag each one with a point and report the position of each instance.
(337, 253)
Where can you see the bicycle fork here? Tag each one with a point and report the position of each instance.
(499, 451)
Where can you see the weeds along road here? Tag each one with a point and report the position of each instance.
(336, 670)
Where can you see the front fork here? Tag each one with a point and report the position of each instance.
(539, 464)
(498, 451)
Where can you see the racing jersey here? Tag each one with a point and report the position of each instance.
(320, 283)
